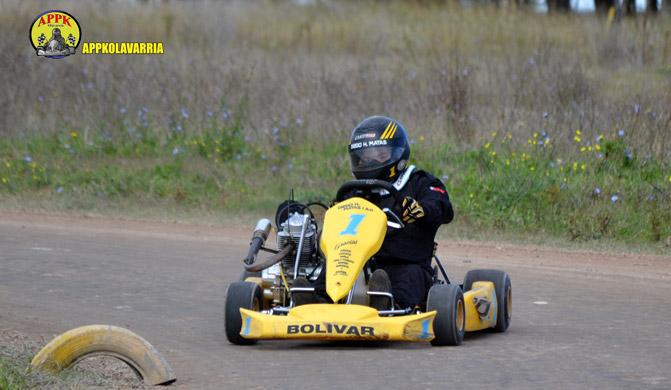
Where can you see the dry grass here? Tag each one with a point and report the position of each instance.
(448, 73)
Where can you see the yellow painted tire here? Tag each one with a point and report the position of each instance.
(107, 340)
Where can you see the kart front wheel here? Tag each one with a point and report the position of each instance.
(450, 322)
(504, 294)
(244, 295)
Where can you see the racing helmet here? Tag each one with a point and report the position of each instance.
(378, 149)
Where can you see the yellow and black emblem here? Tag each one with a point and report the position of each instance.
(55, 34)
(389, 131)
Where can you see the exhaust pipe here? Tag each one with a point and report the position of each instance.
(259, 236)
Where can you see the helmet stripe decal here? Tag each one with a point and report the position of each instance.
(393, 131)
(386, 130)
(389, 131)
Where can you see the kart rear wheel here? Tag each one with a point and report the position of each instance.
(450, 322)
(504, 295)
(244, 295)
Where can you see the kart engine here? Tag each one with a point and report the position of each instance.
(290, 231)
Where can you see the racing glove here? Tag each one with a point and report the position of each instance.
(411, 210)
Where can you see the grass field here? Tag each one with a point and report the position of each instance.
(556, 125)
(602, 189)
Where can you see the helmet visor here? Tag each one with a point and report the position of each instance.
(368, 159)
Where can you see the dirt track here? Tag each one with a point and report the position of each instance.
(580, 319)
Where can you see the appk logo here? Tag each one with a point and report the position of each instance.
(55, 34)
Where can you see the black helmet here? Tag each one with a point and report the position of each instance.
(378, 149)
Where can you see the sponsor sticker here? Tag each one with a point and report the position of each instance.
(326, 328)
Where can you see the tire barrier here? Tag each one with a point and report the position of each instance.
(105, 340)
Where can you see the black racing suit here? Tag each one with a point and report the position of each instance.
(406, 256)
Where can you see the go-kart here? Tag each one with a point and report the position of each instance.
(262, 305)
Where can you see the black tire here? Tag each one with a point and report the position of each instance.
(449, 325)
(503, 289)
(244, 295)
(248, 274)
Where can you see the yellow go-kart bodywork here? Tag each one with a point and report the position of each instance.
(353, 232)
(337, 322)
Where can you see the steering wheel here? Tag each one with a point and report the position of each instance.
(365, 188)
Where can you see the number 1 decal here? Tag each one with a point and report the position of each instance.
(354, 221)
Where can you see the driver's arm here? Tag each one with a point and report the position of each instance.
(434, 199)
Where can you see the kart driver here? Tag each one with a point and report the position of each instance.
(379, 149)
